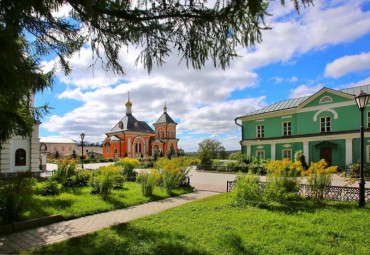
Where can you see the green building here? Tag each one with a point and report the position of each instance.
(324, 126)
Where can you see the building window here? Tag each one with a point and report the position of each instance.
(260, 131)
(368, 154)
(325, 124)
(287, 154)
(326, 99)
(115, 150)
(138, 147)
(20, 157)
(287, 128)
(368, 119)
(260, 154)
(107, 147)
(62, 148)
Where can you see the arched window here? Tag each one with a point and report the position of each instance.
(138, 148)
(326, 99)
(107, 147)
(20, 157)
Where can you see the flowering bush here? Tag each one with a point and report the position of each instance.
(319, 177)
(128, 165)
(282, 180)
(69, 176)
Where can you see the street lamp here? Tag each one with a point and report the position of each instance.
(82, 143)
(361, 101)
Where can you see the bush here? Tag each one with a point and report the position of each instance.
(128, 165)
(79, 179)
(353, 171)
(282, 181)
(299, 156)
(147, 182)
(102, 184)
(69, 176)
(118, 181)
(49, 188)
(15, 196)
(319, 177)
(246, 189)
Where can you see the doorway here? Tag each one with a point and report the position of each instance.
(325, 153)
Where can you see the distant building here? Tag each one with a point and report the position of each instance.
(133, 138)
(64, 146)
(90, 151)
(324, 126)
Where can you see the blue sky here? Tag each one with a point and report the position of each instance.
(327, 45)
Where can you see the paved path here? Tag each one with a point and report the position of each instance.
(67, 229)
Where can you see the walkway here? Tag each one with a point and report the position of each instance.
(68, 229)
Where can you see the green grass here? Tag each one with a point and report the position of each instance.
(214, 226)
(77, 202)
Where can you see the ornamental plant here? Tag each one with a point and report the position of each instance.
(246, 189)
(283, 177)
(148, 182)
(128, 165)
(318, 177)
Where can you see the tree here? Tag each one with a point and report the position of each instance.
(210, 149)
(57, 154)
(31, 30)
(74, 154)
(180, 152)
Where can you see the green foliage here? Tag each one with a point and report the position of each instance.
(147, 182)
(74, 154)
(319, 177)
(210, 149)
(15, 196)
(102, 184)
(118, 181)
(128, 165)
(161, 154)
(69, 176)
(299, 156)
(57, 154)
(49, 188)
(246, 190)
(353, 171)
(282, 182)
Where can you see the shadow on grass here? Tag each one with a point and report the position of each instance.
(234, 245)
(125, 239)
(308, 206)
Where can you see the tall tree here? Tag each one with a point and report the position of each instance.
(210, 149)
(195, 29)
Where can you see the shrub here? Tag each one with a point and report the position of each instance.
(128, 165)
(69, 176)
(57, 154)
(15, 196)
(299, 156)
(246, 189)
(49, 188)
(282, 181)
(79, 179)
(353, 171)
(147, 182)
(319, 177)
(118, 181)
(102, 184)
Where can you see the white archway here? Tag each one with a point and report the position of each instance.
(325, 110)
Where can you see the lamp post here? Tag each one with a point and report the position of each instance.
(82, 143)
(361, 101)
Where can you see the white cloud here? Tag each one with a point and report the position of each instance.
(356, 84)
(293, 79)
(348, 64)
(304, 90)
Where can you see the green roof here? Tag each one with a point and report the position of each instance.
(295, 102)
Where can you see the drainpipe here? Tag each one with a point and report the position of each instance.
(242, 132)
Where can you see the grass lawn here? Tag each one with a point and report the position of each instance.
(214, 226)
(77, 202)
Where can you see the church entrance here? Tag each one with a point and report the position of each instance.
(326, 153)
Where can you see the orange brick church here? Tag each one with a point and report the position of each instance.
(132, 138)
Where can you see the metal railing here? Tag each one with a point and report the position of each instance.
(336, 193)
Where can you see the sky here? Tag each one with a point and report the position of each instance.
(325, 45)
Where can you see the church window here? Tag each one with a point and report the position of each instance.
(20, 157)
(326, 99)
(107, 147)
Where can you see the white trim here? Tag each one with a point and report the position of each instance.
(306, 139)
(287, 145)
(259, 147)
(260, 120)
(325, 107)
(285, 150)
(286, 117)
(273, 151)
(349, 159)
(306, 151)
(325, 110)
(324, 98)
(262, 134)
